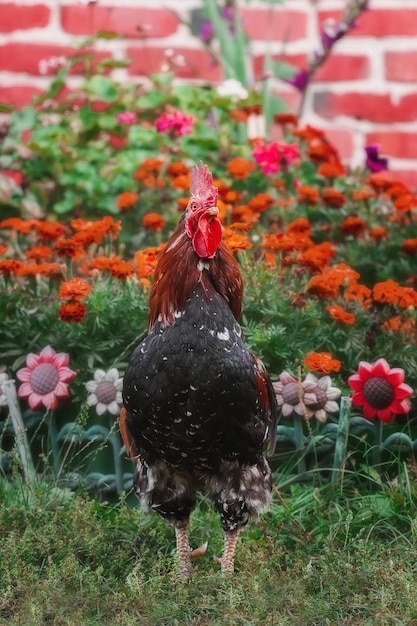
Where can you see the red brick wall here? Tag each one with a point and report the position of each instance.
(365, 93)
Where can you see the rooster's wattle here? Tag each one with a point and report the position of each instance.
(198, 405)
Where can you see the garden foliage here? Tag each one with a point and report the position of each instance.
(92, 183)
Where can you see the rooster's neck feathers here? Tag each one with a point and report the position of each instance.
(179, 269)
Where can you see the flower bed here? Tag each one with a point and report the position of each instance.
(91, 186)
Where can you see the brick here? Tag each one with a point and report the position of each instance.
(25, 57)
(197, 63)
(343, 67)
(342, 140)
(378, 108)
(18, 95)
(17, 17)
(380, 22)
(401, 145)
(401, 66)
(125, 21)
(297, 60)
(284, 25)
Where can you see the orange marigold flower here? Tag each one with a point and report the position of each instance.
(10, 266)
(100, 263)
(286, 241)
(308, 194)
(352, 225)
(79, 224)
(69, 248)
(122, 269)
(409, 246)
(317, 257)
(127, 200)
(177, 168)
(108, 225)
(72, 311)
(38, 253)
(397, 189)
(331, 280)
(17, 224)
(380, 180)
(358, 292)
(331, 170)
(151, 165)
(182, 203)
(261, 202)
(300, 225)
(386, 291)
(333, 197)
(48, 231)
(240, 168)
(181, 182)
(378, 233)
(244, 226)
(322, 362)
(340, 315)
(234, 241)
(153, 221)
(75, 289)
(3, 249)
(363, 194)
(243, 213)
(405, 203)
(239, 115)
(399, 324)
(231, 196)
(39, 269)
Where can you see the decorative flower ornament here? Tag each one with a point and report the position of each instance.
(105, 391)
(3, 399)
(289, 394)
(46, 378)
(319, 397)
(380, 390)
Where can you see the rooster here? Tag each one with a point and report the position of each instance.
(198, 406)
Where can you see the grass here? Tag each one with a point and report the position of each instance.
(321, 556)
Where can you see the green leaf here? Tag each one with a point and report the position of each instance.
(103, 88)
(151, 99)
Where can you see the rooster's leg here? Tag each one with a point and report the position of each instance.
(185, 569)
(227, 560)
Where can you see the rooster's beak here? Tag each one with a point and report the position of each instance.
(213, 210)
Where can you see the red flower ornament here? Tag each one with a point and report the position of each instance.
(45, 379)
(380, 390)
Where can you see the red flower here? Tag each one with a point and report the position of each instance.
(72, 311)
(380, 390)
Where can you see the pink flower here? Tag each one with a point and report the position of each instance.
(46, 378)
(271, 156)
(126, 117)
(176, 121)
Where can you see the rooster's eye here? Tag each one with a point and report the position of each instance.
(194, 206)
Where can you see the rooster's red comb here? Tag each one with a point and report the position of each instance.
(202, 184)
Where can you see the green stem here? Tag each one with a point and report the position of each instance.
(53, 437)
(377, 449)
(340, 450)
(299, 441)
(117, 447)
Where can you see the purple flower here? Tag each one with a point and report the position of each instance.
(206, 31)
(374, 162)
(332, 32)
(300, 80)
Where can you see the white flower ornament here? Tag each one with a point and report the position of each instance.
(105, 391)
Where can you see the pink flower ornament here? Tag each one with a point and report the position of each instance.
(45, 379)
